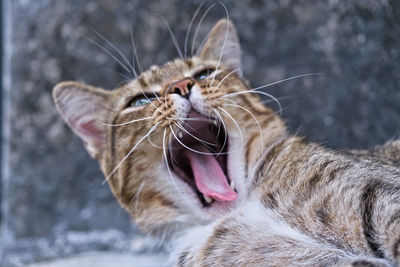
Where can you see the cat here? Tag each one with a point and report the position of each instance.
(200, 162)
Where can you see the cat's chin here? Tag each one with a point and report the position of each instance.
(198, 156)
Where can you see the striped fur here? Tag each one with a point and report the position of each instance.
(299, 204)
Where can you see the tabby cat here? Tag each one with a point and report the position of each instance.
(201, 163)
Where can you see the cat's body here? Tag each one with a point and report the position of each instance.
(309, 206)
(200, 162)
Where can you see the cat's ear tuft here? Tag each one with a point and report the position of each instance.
(223, 42)
(82, 107)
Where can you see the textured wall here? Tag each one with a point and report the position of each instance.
(53, 199)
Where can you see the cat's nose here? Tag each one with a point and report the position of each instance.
(181, 87)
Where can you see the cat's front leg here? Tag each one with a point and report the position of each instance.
(380, 209)
(232, 243)
(187, 247)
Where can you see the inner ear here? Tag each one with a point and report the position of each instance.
(83, 107)
(223, 44)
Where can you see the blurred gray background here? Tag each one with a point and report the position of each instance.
(53, 201)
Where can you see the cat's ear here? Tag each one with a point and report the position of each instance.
(82, 107)
(223, 42)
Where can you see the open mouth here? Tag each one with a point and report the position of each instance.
(198, 156)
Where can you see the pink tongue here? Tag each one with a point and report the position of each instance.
(208, 175)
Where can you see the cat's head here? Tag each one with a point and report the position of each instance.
(178, 143)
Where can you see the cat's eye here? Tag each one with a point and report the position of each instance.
(141, 100)
(203, 74)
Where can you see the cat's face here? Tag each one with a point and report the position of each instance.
(178, 143)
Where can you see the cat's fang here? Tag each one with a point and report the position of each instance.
(180, 134)
(208, 199)
(232, 186)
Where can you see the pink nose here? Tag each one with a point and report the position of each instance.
(181, 87)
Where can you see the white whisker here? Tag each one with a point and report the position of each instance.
(279, 98)
(134, 55)
(190, 27)
(287, 79)
(122, 75)
(131, 151)
(270, 84)
(254, 117)
(115, 49)
(186, 119)
(110, 54)
(151, 102)
(226, 76)
(224, 44)
(141, 70)
(122, 82)
(171, 33)
(198, 27)
(205, 39)
(152, 143)
(256, 92)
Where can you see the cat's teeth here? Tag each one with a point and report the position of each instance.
(208, 199)
(215, 122)
(180, 134)
(232, 185)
